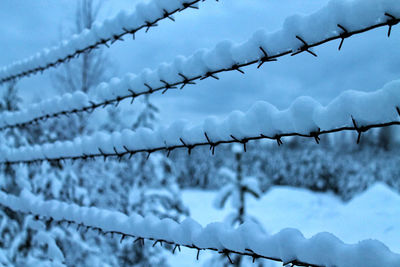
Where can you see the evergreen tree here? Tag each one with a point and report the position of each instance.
(23, 237)
(237, 190)
(153, 190)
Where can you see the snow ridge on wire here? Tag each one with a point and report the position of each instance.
(350, 111)
(288, 246)
(299, 34)
(145, 16)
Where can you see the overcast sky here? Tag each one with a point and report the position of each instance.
(365, 63)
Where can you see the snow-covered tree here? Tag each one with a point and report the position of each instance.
(90, 68)
(24, 243)
(237, 190)
(11, 224)
(147, 116)
(152, 189)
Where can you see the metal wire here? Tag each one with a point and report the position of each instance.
(186, 144)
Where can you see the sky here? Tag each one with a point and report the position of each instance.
(366, 62)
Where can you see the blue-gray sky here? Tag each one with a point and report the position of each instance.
(365, 63)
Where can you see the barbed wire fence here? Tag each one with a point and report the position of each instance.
(188, 144)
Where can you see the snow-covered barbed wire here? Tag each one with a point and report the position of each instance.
(288, 246)
(350, 111)
(337, 21)
(145, 16)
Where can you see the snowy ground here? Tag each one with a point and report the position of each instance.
(375, 214)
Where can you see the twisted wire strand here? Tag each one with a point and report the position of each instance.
(185, 144)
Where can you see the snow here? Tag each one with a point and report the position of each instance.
(223, 56)
(304, 116)
(287, 244)
(54, 253)
(237, 148)
(66, 102)
(151, 11)
(372, 215)
(300, 225)
(3, 259)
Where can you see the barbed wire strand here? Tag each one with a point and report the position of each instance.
(176, 246)
(236, 67)
(357, 127)
(106, 42)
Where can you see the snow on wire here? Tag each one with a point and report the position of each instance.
(350, 111)
(299, 34)
(288, 246)
(145, 16)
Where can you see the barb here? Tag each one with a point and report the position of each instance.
(185, 80)
(344, 35)
(105, 41)
(185, 145)
(304, 48)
